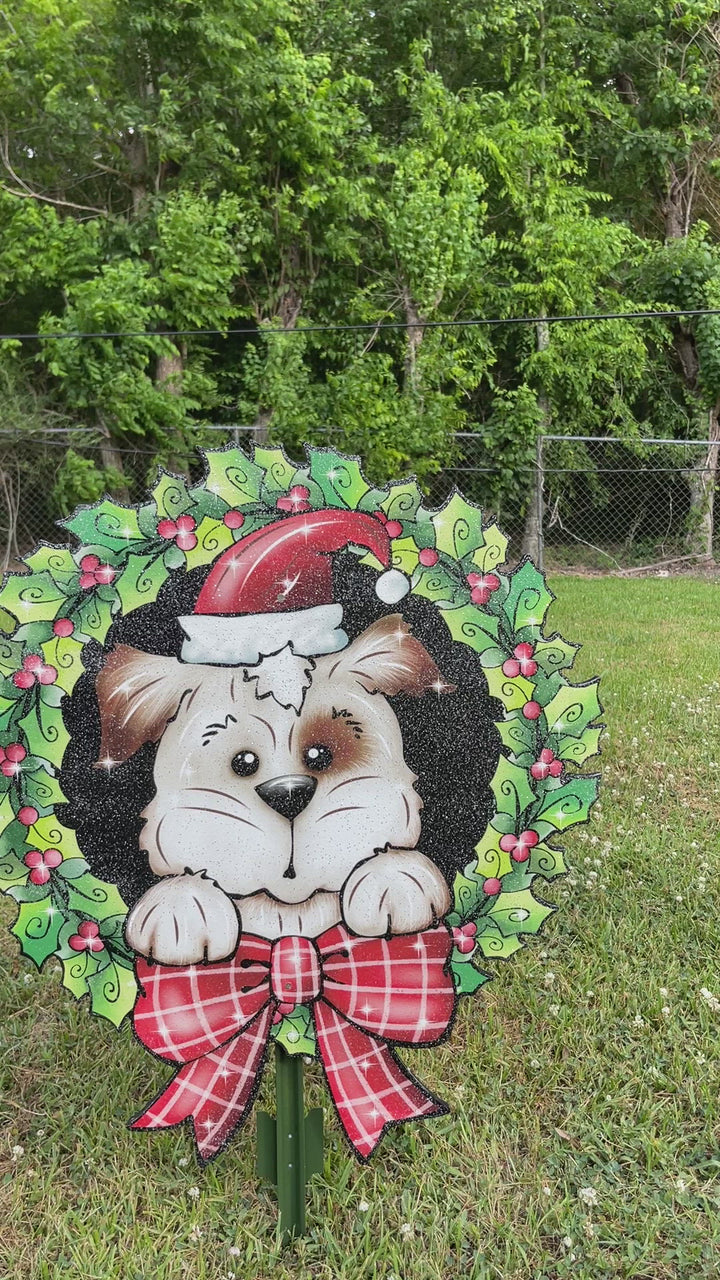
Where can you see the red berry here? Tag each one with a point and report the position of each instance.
(47, 675)
(53, 857)
(23, 679)
(39, 875)
(508, 842)
(511, 667)
(547, 756)
(529, 838)
(167, 528)
(87, 580)
(15, 751)
(539, 770)
(428, 557)
(480, 595)
(186, 541)
(27, 815)
(105, 574)
(474, 579)
(89, 564)
(34, 858)
(556, 768)
(393, 528)
(492, 886)
(63, 627)
(520, 853)
(33, 662)
(185, 524)
(523, 650)
(8, 769)
(532, 710)
(234, 519)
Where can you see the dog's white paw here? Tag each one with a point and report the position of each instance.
(398, 891)
(183, 920)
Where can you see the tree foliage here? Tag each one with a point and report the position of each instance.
(278, 165)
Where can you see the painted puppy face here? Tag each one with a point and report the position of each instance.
(259, 797)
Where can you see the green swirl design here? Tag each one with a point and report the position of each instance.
(211, 541)
(402, 506)
(174, 499)
(461, 535)
(39, 926)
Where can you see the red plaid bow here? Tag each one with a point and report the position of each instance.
(216, 1019)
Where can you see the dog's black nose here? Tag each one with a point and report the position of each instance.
(288, 795)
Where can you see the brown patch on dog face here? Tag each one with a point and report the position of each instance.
(338, 732)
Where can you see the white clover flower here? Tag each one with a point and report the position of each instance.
(666, 1010)
(196, 1233)
(234, 1251)
(589, 1228)
(681, 1185)
(711, 1001)
(406, 1230)
(546, 1190)
(183, 1161)
(554, 1009)
(194, 1193)
(535, 1064)
(567, 1242)
(639, 1020)
(588, 1196)
(17, 1152)
(663, 991)
(549, 979)
(363, 1206)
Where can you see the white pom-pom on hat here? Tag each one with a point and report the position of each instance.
(392, 586)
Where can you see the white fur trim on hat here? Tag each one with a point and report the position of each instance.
(242, 640)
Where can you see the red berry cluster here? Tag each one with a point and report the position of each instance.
(546, 766)
(522, 662)
(95, 574)
(42, 864)
(464, 937)
(393, 528)
(86, 938)
(296, 500)
(34, 671)
(180, 531)
(482, 586)
(519, 846)
(11, 758)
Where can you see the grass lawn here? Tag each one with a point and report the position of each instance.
(591, 1064)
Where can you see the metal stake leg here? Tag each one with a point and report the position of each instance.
(289, 1147)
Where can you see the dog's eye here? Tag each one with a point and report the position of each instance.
(318, 757)
(245, 763)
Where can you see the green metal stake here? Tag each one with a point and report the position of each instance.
(289, 1146)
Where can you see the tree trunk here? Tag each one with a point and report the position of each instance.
(702, 483)
(169, 378)
(415, 334)
(532, 538)
(287, 310)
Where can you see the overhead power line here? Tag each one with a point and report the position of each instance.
(366, 327)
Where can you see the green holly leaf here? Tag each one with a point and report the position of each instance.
(48, 833)
(140, 581)
(11, 655)
(94, 898)
(339, 479)
(564, 806)
(57, 561)
(518, 734)
(71, 868)
(512, 791)
(94, 617)
(12, 870)
(404, 555)
(440, 586)
(233, 477)
(32, 597)
(174, 558)
(64, 654)
(544, 861)
(494, 944)
(107, 526)
(41, 789)
(7, 812)
(37, 929)
(113, 990)
(468, 894)
(572, 709)
(402, 501)
(555, 654)
(528, 599)
(278, 471)
(171, 496)
(493, 551)
(78, 966)
(576, 750)
(296, 1032)
(212, 538)
(466, 977)
(458, 527)
(45, 732)
(514, 913)
(7, 622)
(513, 691)
(479, 630)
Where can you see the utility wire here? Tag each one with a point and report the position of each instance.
(366, 327)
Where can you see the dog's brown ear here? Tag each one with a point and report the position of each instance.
(387, 659)
(137, 694)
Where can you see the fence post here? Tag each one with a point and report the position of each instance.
(540, 499)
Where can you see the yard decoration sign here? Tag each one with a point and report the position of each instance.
(283, 759)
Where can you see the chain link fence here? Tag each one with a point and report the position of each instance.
(588, 504)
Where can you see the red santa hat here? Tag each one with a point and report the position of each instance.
(273, 589)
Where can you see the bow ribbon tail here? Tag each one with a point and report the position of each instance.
(369, 1087)
(215, 1091)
